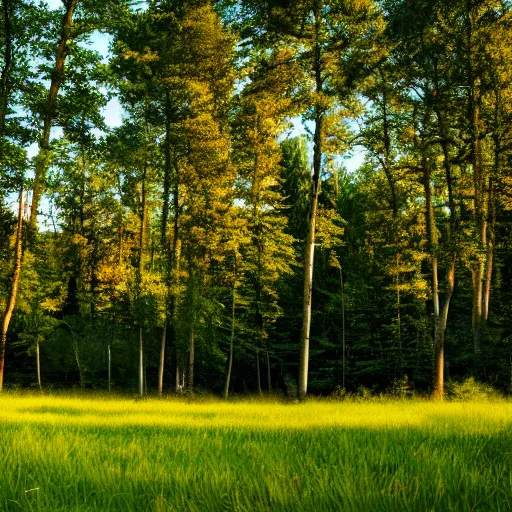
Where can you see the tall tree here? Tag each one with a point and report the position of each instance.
(11, 301)
(260, 120)
(78, 18)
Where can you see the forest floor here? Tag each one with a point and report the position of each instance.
(85, 454)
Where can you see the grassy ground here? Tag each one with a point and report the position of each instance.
(90, 454)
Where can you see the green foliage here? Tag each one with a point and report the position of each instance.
(471, 390)
(193, 215)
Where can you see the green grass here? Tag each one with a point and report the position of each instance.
(92, 454)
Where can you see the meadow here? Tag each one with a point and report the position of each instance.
(84, 454)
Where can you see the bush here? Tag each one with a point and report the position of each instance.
(471, 390)
(364, 394)
(401, 388)
(339, 393)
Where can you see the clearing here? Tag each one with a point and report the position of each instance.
(116, 454)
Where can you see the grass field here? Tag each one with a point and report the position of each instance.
(92, 454)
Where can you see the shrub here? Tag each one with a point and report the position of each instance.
(339, 393)
(401, 388)
(471, 390)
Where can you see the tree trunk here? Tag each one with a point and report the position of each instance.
(480, 221)
(162, 361)
(121, 243)
(169, 259)
(398, 315)
(269, 376)
(488, 274)
(41, 163)
(491, 242)
(343, 340)
(231, 340)
(38, 365)
(438, 393)
(109, 356)
(191, 359)
(491, 236)
(440, 316)
(141, 362)
(13, 296)
(175, 278)
(192, 334)
(510, 385)
(258, 372)
(178, 376)
(167, 171)
(76, 349)
(477, 277)
(308, 292)
(140, 269)
(310, 249)
(439, 336)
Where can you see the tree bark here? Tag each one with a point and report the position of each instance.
(162, 361)
(192, 334)
(163, 236)
(109, 356)
(140, 269)
(480, 214)
(178, 376)
(491, 242)
(310, 249)
(167, 172)
(438, 393)
(141, 362)
(13, 296)
(191, 359)
(477, 275)
(269, 376)
(343, 340)
(258, 372)
(175, 278)
(439, 337)
(232, 338)
(41, 163)
(440, 315)
(38, 366)
(76, 349)
(432, 246)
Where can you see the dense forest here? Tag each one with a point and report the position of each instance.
(221, 236)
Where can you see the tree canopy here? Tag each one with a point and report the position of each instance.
(300, 196)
